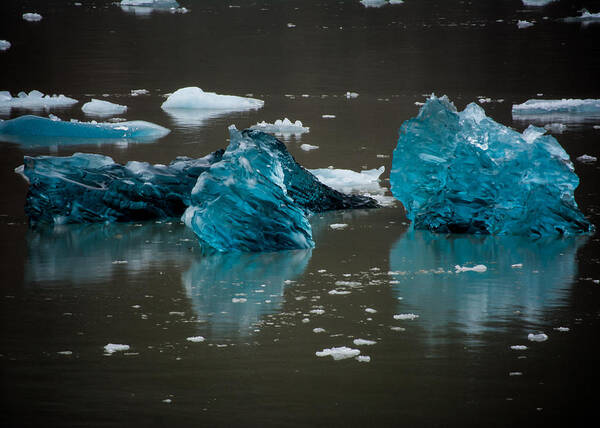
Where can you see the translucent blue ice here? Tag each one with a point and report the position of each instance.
(86, 188)
(463, 172)
(31, 129)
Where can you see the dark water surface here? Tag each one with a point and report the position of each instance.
(69, 288)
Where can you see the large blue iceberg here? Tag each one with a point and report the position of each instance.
(31, 130)
(462, 172)
(86, 188)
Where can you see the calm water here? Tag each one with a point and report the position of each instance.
(69, 288)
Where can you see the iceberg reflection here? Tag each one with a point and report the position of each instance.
(523, 278)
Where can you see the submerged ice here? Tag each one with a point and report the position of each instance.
(462, 172)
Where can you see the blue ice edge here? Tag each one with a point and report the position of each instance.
(462, 172)
(30, 130)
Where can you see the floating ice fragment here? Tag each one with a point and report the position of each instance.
(290, 25)
(239, 300)
(151, 3)
(518, 347)
(587, 159)
(339, 353)
(317, 311)
(103, 108)
(120, 262)
(574, 106)
(167, 401)
(283, 127)
(351, 95)
(562, 329)
(541, 337)
(370, 310)
(338, 226)
(137, 92)
(325, 116)
(517, 266)
(476, 268)
(406, 317)
(464, 173)
(4, 45)
(515, 374)
(585, 16)
(65, 352)
(364, 342)
(338, 292)
(318, 330)
(537, 2)
(196, 98)
(307, 147)
(35, 100)
(557, 128)
(32, 17)
(195, 339)
(115, 347)
(524, 24)
(365, 358)
(348, 283)
(348, 181)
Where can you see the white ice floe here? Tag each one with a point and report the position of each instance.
(239, 300)
(196, 98)
(338, 226)
(476, 268)
(290, 25)
(308, 147)
(540, 337)
(537, 2)
(318, 330)
(524, 24)
(585, 16)
(557, 128)
(102, 108)
(65, 352)
(283, 127)
(371, 310)
(363, 342)
(137, 92)
(32, 17)
(195, 339)
(363, 359)
(348, 283)
(338, 292)
(328, 116)
(518, 347)
(351, 94)
(317, 311)
(34, 100)
(379, 3)
(339, 353)
(517, 266)
(4, 45)
(406, 317)
(587, 159)
(564, 105)
(562, 329)
(111, 348)
(515, 374)
(150, 3)
(348, 181)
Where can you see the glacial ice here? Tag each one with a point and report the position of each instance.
(85, 188)
(308, 147)
(4, 45)
(587, 159)
(283, 127)
(32, 17)
(524, 24)
(35, 100)
(463, 172)
(34, 130)
(103, 108)
(151, 3)
(557, 106)
(339, 353)
(539, 337)
(379, 3)
(537, 2)
(196, 98)
(111, 348)
(585, 17)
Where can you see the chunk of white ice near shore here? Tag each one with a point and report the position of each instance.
(406, 317)
(328, 116)
(363, 342)
(34, 100)
(284, 126)
(370, 310)
(137, 92)
(476, 268)
(540, 337)
(339, 353)
(195, 339)
(103, 108)
(518, 347)
(318, 330)
(587, 159)
(4, 45)
(115, 347)
(32, 17)
(351, 94)
(524, 24)
(338, 226)
(363, 359)
(308, 147)
(196, 98)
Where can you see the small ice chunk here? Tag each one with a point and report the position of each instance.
(111, 348)
(317, 311)
(338, 226)
(339, 353)
(585, 16)
(524, 24)
(409, 317)
(338, 292)
(348, 181)
(196, 98)
(540, 337)
(290, 25)
(364, 358)
(318, 330)
(167, 401)
(305, 320)
(4, 45)
(308, 147)
(348, 283)
(280, 126)
(34, 100)
(562, 329)
(587, 159)
(137, 92)
(65, 352)
(195, 339)
(363, 342)
(351, 95)
(103, 108)
(373, 3)
(515, 374)
(537, 2)
(32, 17)
(325, 116)
(238, 300)
(557, 128)
(476, 268)
(120, 262)
(517, 266)
(371, 310)
(573, 106)
(518, 347)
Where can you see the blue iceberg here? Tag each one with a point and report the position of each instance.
(462, 172)
(87, 188)
(32, 130)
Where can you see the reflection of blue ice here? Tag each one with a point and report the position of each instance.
(233, 291)
(475, 302)
(190, 118)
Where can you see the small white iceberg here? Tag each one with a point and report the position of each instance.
(340, 353)
(403, 317)
(537, 2)
(283, 127)
(308, 147)
(476, 268)
(338, 226)
(111, 348)
(351, 95)
(363, 359)
(587, 159)
(363, 342)
(195, 339)
(348, 181)
(585, 17)
(34, 100)
(524, 24)
(196, 98)
(518, 347)
(540, 337)
(32, 17)
(103, 108)
(4, 45)
(138, 92)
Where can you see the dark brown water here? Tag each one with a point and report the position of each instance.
(68, 288)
